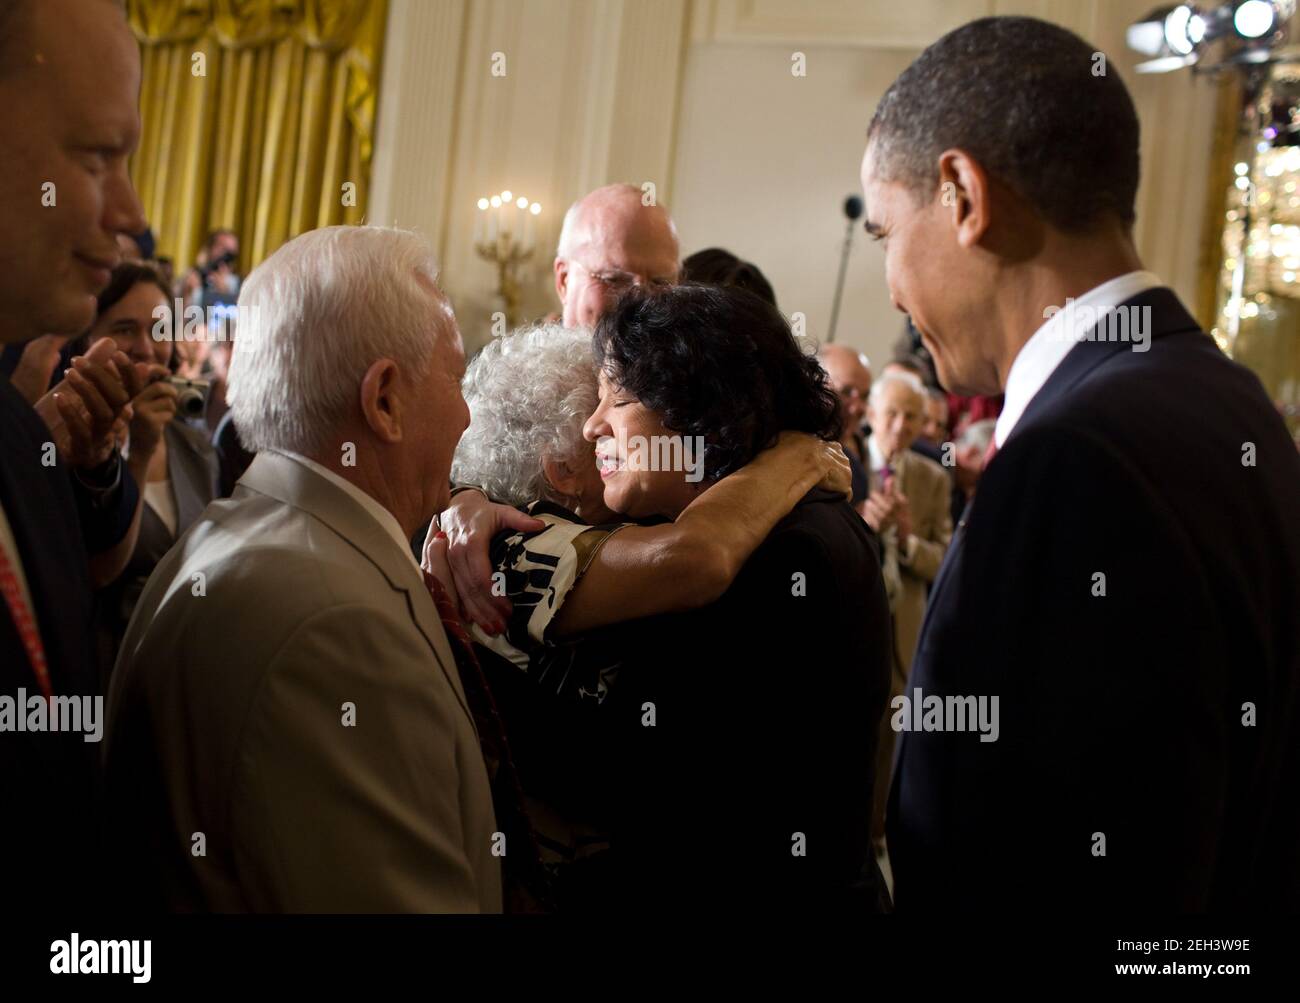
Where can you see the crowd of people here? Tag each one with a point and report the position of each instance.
(648, 606)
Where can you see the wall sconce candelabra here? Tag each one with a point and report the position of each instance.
(505, 234)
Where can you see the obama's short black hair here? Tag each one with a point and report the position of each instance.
(1038, 107)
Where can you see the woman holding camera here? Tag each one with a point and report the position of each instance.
(172, 461)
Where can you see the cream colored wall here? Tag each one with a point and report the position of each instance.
(697, 96)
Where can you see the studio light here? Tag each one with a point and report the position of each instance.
(1176, 36)
(1254, 19)
(1243, 32)
(1148, 35)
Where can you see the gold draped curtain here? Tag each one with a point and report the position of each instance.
(257, 116)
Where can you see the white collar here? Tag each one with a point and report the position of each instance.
(874, 454)
(381, 515)
(1050, 344)
(877, 456)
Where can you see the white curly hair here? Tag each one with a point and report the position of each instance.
(529, 394)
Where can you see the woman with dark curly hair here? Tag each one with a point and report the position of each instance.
(747, 730)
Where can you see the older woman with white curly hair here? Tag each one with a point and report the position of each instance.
(529, 394)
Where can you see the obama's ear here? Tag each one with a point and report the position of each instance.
(965, 193)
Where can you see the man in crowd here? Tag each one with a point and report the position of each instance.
(908, 504)
(1133, 659)
(610, 241)
(849, 374)
(69, 80)
(286, 691)
(934, 429)
(915, 367)
(969, 452)
(909, 508)
(215, 275)
(850, 377)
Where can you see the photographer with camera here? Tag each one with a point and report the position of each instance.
(213, 284)
(214, 278)
(165, 445)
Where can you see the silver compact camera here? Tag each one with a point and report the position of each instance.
(191, 395)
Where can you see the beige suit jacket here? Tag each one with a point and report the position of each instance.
(285, 611)
(928, 489)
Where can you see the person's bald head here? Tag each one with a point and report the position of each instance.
(70, 80)
(850, 375)
(611, 241)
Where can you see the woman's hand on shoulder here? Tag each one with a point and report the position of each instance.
(469, 523)
(825, 462)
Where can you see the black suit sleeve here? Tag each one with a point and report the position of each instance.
(106, 503)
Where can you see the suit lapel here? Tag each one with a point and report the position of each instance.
(288, 481)
(1167, 317)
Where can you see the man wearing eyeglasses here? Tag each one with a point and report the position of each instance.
(849, 373)
(612, 240)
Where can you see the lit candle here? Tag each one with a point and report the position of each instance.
(480, 221)
(521, 220)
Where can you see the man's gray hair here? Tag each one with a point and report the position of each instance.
(529, 394)
(315, 315)
(903, 379)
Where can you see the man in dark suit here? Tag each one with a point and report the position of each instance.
(69, 77)
(1119, 605)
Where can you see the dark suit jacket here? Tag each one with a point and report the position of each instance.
(48, 779)
(1158, 722)
(767, 707)
(234, 459)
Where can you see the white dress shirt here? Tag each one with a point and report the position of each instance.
(1050, 344)
(381, 515)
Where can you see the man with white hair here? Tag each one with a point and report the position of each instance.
(611, 240)
(908, 504)
(287, 727)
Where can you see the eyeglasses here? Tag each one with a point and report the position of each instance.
(617, 281)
